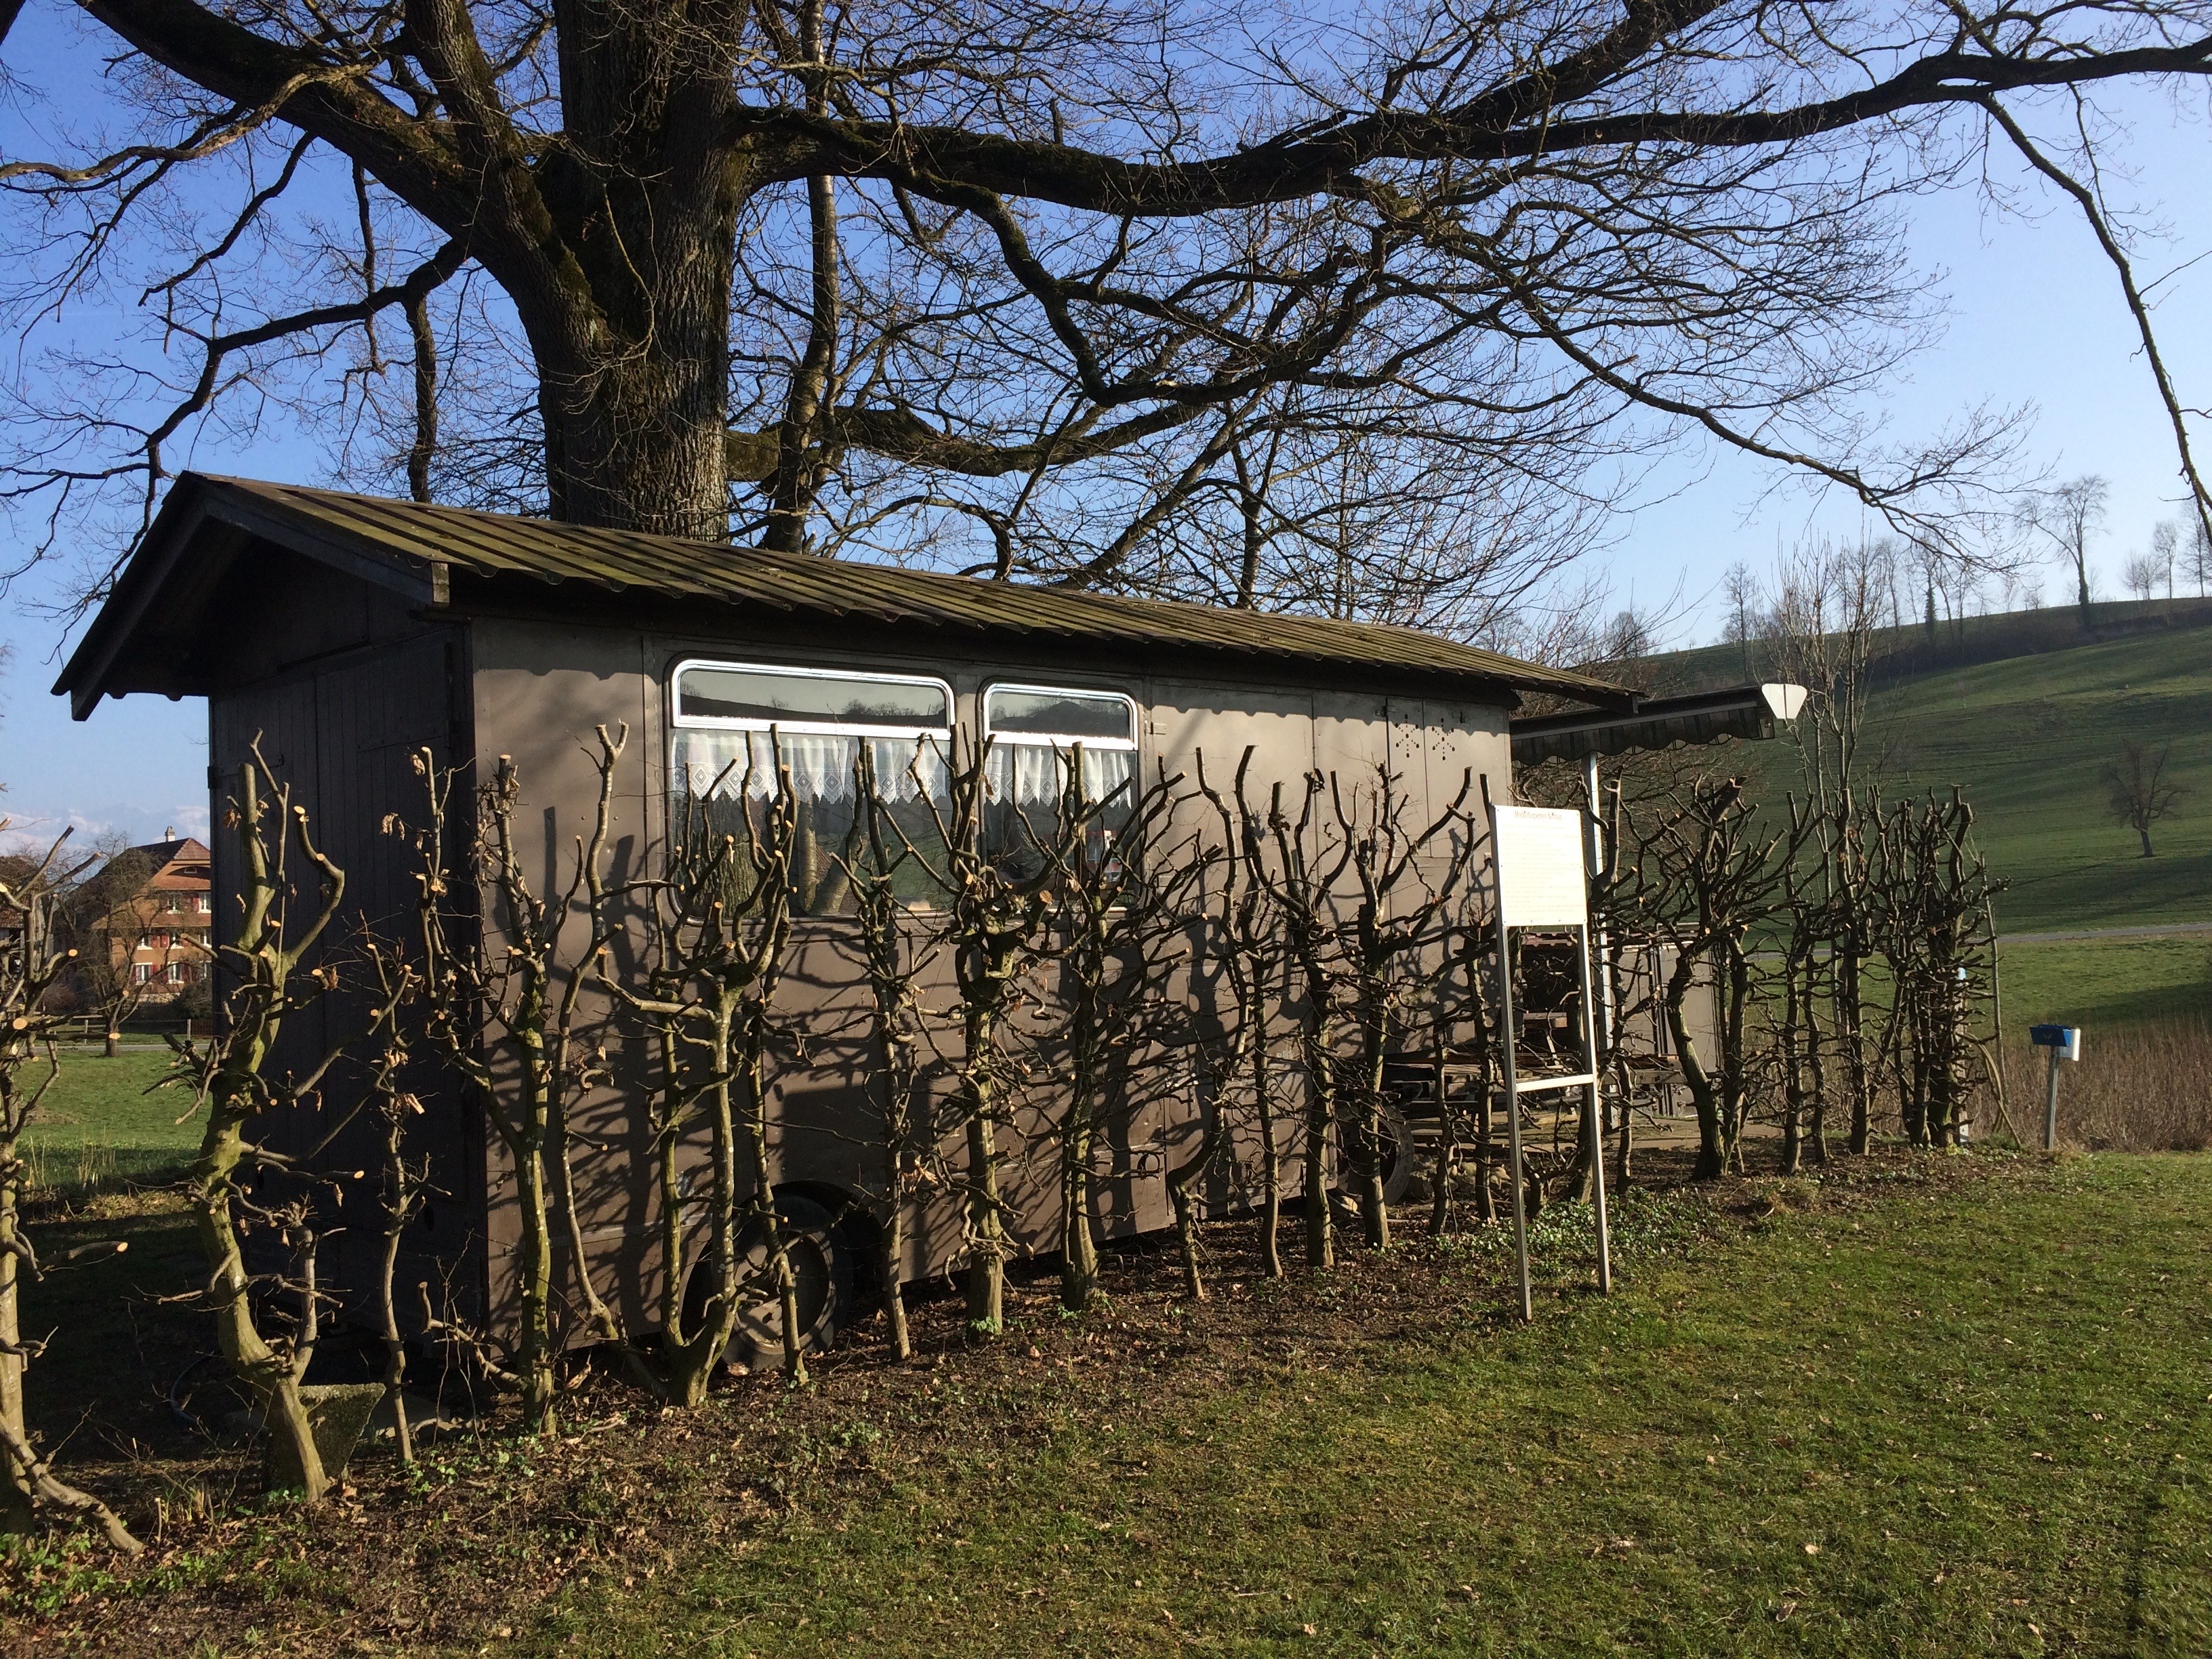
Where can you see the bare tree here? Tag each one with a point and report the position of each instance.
(2139, 793)
(1120, 881)
(2165, 550)
(2143, 571)
(236, 1081)
(405, 1179)
(1247, 942)
(2200, 557)
(1828, 614)
(1933, 920)
(501, 1010)
(998, 904)
(893, 951)
(962, 271)
(718, 927)
(1402, 891)
(1708, 871)
(33, 959)
(1303, 880)
(1739, 588)
(2068, 516)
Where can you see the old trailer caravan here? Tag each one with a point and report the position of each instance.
(347, 634)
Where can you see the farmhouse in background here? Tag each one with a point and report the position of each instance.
(346, 635)
(159, 943)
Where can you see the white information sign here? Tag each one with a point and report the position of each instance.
(1541, 882)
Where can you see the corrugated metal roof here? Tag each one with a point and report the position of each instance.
(416, 538)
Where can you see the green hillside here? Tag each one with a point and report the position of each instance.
(2027, 737)
(2023, 715)
(2027, 740)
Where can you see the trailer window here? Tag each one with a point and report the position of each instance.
(736, 725)
(1038, 735)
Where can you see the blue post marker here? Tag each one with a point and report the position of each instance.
(2064, 1043)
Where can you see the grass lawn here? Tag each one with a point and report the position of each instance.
(98, 1121)
(1964, 1419)
(2102, 983)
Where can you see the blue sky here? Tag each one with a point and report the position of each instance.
(2036, 317)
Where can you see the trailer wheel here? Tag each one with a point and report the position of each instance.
(1398, 1158)
(820, 1264)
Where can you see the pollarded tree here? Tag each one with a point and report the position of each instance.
(947, 269)
(1709, 871)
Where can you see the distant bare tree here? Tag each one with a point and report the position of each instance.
(2199, 558)
(105, 918)
(1739, 587)
(2068, 516)
(2166, 549)
(2142, 573)
(2139, 795)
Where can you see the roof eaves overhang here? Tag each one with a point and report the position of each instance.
(409, 565)
(1749, 712)
(194, 509)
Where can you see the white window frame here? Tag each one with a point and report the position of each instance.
(808, 728)
(1060, 740)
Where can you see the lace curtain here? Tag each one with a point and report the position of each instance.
(1028, 775)
(720, 763)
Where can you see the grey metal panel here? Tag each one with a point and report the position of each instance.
(535, 689)
(340, 736)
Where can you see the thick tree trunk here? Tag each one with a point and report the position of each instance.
(1270, 1155)
(636, 442)
(15, 1486)
(628, 311)
(987, 1270)
(534, 1283)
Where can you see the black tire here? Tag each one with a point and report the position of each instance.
(820, 1261)
(1398, 1159)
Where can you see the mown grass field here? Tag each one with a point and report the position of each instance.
(2100, 984)
(1969, 1420)
(2028, 739)
(103, 1122)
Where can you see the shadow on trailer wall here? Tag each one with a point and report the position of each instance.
(346, 635)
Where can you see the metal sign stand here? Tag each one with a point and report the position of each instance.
(2064, 1043)
(1535, 850)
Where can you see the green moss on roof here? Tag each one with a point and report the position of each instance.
(414, 537)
